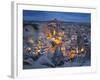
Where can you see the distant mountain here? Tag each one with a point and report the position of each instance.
(63, 22)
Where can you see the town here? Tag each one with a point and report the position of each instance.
(56, 43)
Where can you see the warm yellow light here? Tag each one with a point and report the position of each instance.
(59, 38)
(57, 41)
(49, 36)
(54, 32)
(63, 49)
(38, 51)
(82, 49)
(73, 51)
(53, 39)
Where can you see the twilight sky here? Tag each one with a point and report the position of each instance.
(30, 15)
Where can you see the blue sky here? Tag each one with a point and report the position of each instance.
(30, 15)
